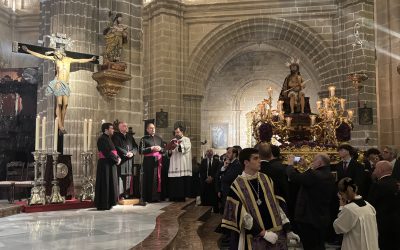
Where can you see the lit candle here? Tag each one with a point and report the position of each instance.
(313, 117)
(342, 103)
(319, 104)
(55, 135)
(332, 91)
(281, 116)
(326, 103)
(44, 133)
(261, 108)
(270, 91)
(288, 121)
(37, 133)
(89, 133)
(350, 114)
(329, 114)
(85, 123)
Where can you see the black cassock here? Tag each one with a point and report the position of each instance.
(106, 192)
(153, 179)
(124, 144)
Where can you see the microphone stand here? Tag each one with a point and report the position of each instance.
(141, 201)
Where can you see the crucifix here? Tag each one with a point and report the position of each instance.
(56, 52)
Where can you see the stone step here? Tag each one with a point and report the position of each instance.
(166, 228)
(190, 222)
(207, 233)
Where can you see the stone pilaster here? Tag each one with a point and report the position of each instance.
(387, 17)
(164, 43)
(84, 22)
(351, 12)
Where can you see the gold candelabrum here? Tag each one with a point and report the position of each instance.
(87, 191)
(265, 114)
(331, 114)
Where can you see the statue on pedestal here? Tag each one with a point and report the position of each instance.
(293, 87)
(112, 74)
(115, 36)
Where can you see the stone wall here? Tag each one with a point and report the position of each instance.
(387, 15)
(212, 34)
(84, 22)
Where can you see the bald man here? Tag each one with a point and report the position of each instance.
(385, 197)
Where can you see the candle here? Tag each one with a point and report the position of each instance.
(313, 117)
(261, 108)
(37, 133)
(319, 104)
(85, 123)
(280, 105)
(329, 114)
(281, 116)
(342, 103)
(89, 133)
(55, 135)
(326, 103)
(270, 91)
(288, 121)
(44, 133)
(350, 114)
(332, 91)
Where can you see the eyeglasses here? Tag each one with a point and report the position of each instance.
(386, 152)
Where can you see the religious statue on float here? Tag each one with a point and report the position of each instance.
(293, 89)
(115, 36)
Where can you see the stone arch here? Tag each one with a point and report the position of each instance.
(217, 43)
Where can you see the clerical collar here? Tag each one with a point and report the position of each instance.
(248, 176)
(359, 201)
(264, 160)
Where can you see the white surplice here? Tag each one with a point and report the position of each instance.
(358, 226)
(181, 162)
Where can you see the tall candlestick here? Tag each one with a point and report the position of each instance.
(319, 104)
(270, 91)
(326, 103)
(280, 105)
(85, 124)
(44, 133)
(313, 117)
(350, 114)
(37, 133)
(332, 91)
(329, 114)
(55, 135)
(90, 133)
(342, 103)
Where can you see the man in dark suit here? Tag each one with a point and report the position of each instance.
(274, 168)
(208, 171)
(350, 167)
(317, 186)
(232, 170)
(390, 154)
(385, 197)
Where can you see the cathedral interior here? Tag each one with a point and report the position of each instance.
(202, 63)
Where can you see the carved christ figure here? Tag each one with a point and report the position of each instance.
(59, 86)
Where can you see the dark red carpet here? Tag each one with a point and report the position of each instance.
(69, 204)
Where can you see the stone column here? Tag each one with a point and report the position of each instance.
(84, 22)
(387, 18)
(164, 61)
(351, 12)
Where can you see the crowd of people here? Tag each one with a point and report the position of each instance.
(352, 204)
(264, 203)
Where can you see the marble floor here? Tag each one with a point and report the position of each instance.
(120, 228)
